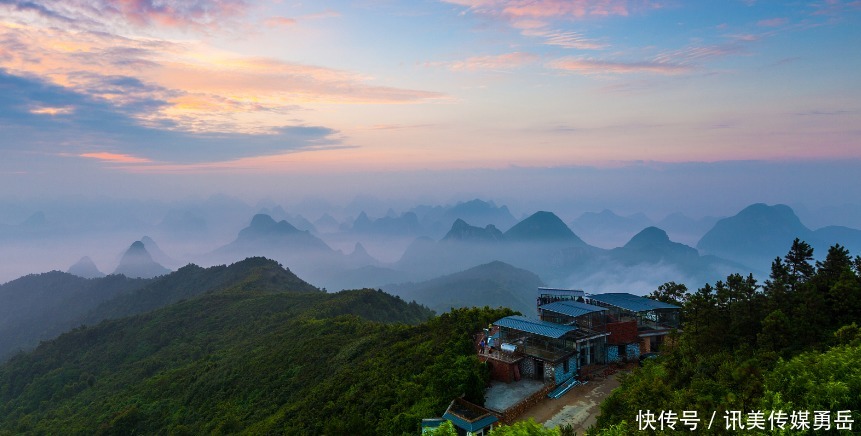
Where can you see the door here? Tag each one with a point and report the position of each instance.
(539, 369)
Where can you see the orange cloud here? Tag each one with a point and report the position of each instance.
(555, 8)
(65, 110)
(189, 84)
(116, 158)
(590, 66)
(494, 62)
(280, 22)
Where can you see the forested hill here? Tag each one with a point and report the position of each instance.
(39, 307)
(238, 359)
(792, 343)
(256, 274)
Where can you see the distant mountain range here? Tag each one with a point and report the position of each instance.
(260, 351)
(759, 233)
(415, 247)
(136, 262)
(496, 284)
(39, 307)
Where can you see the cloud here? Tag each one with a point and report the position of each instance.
(115, 158)
(183, 14)
(601, 67)
(535, 18)
(94, 128)
(504, 61)
(565, 39)
(184, 85)
(772, 22)
(280, 22)
(554, 8)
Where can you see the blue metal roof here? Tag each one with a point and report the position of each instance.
(468, 416)
(632, 302)
(534, 326)
(571, 308)
(472, 426)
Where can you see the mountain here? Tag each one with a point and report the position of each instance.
(462, 231)
(41, 306)
(607, 228)
(85, 268)
(756, 235)
(542, 227)
(264, 233)
(327, 223)
(234, 360)
(306, 254)
(137, 263)
(158, 255)
(360, 257)
(830, 235)
(686, 229)
(653, 244)
(35, 221)
(191, 280)
(493, 284)
(541, 243)
(405, 224)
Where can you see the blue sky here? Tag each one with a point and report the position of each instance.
(212, 94)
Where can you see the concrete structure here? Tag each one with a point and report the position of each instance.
(653, 320)
(470, 419)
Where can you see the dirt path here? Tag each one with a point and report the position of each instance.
(579, 407)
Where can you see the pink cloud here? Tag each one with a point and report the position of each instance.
(597, 67)
(171, 13)
(493, 62)
(280, 22)
(772, 22)
(556, 8)
(116, 158)
(565, 39)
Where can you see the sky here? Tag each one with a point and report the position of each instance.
(615, 100)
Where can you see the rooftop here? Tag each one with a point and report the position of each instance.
(468, 416)
(571, 308)
(559, 291)
(534, 326)
(632, 302)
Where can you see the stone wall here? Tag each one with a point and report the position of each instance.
(613, 354)
(527, 368)
(560, 375)
(632, 352)
(513, 412)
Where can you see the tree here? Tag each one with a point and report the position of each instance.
(671, 292)
(836, 262)
(798, 263)
(524, 428)
(776, 332)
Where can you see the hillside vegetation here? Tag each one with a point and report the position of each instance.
(252, 359)
(792, 344)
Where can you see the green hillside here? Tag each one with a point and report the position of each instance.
(41, 306)
(492, 284)
(243, 359)
(789, 344)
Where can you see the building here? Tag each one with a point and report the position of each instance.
(577, 334)
(591, 323)
(636, 324)
(470, 419)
